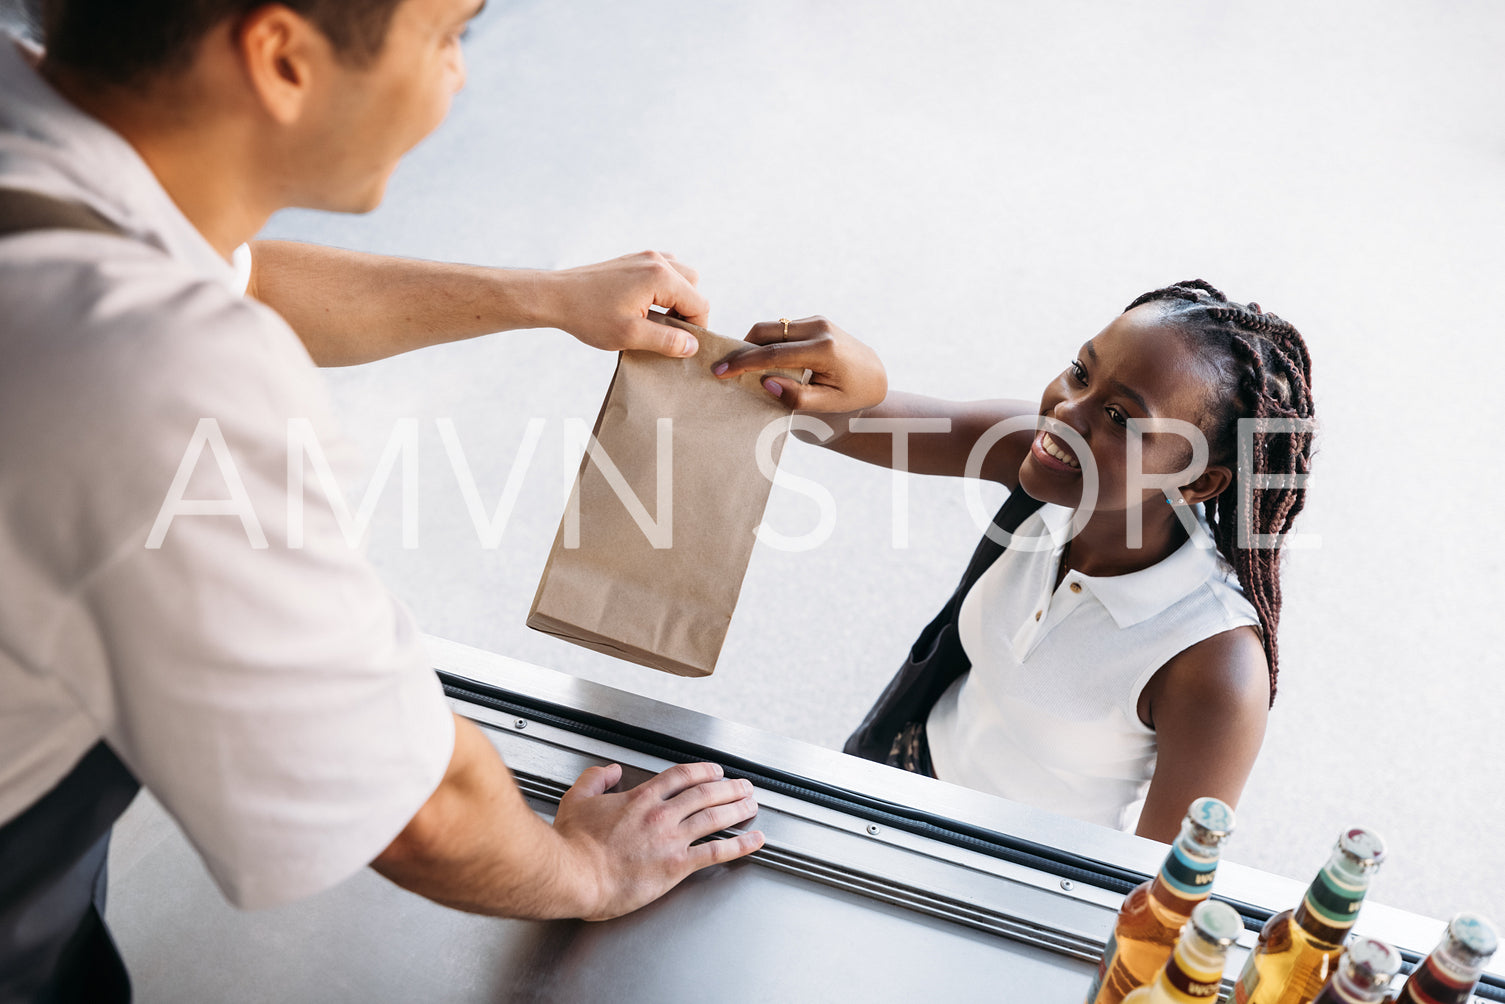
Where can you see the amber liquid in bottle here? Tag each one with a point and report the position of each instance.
(1299, 949)
(1155, 911)
(1194, 972)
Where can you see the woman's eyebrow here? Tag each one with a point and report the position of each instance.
(1119, 385)
(1132, 395)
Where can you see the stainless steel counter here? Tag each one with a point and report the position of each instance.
(875, 885)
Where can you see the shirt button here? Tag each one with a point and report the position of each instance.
(1076, 587)
(1038, 613)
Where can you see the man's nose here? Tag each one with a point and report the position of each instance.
(460, 73)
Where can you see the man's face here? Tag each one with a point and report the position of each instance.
(364, 119)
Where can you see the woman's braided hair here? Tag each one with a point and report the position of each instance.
(1267, 373)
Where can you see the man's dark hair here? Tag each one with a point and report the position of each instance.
(130, 41)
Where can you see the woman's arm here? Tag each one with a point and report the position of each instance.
(1208, 708)
(848, 390)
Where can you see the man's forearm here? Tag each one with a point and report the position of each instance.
(478, 847)
(349, 307)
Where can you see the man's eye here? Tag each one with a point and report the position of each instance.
(1118, 417)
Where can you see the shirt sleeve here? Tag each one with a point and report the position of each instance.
(270, 692)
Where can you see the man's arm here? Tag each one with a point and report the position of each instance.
(349, 307)
(475, 845)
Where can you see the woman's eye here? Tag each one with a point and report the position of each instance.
(1078, 370)
(1119, 418)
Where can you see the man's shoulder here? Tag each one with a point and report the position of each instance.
(113, 352)
(81, 305)
(102, 281)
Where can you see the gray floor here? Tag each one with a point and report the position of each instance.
(975, 187)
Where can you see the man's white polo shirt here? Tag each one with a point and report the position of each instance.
(274, 697)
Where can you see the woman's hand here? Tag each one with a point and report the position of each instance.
(846, 375)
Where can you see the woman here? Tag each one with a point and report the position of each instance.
(1108, 681)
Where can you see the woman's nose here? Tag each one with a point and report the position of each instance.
(1072, 410)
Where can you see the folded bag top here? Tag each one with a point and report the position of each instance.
(656, 536)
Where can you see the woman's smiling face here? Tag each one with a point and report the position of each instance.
(1138, 367)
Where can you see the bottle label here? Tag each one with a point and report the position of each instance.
(1109, 950)
(1243, 991)
(1201, 986)
(1188, 876)
(1333, 902)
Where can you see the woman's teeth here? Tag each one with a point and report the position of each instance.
(1057, 452)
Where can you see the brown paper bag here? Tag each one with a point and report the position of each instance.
(659, 589)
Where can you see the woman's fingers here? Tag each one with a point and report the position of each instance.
(808, 396)
(778, 356)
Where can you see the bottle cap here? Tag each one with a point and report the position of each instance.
(1216, 923)
(1471, 940)
(1364, 848)
(1211, 821)
(1370, 963)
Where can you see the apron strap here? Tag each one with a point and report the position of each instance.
(53, 942)
(22, 211)
(54, 946)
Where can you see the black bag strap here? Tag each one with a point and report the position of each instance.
(937, 658)
(22, 212)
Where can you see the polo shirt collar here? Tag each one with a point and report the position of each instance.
(49, 145)
(1138, 596)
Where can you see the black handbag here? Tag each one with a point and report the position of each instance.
(936, 660)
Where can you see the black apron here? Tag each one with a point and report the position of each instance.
(937, 659)
(54, 946)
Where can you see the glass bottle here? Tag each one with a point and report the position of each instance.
(1448, 975)
(1364, 974)
(1155, 911)
(1299, 949)
(1194, 972)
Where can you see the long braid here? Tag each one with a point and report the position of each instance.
(1268, 374)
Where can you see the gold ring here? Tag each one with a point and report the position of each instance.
(785, 322)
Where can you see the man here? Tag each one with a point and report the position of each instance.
(271, 694)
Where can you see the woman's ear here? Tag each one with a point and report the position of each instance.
(1210, 484)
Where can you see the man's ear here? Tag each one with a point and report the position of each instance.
(1209, 484)
(280, 51)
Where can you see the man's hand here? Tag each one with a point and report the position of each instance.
(845, 374)
(475, 844)
(641, 843)
(606, 305)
